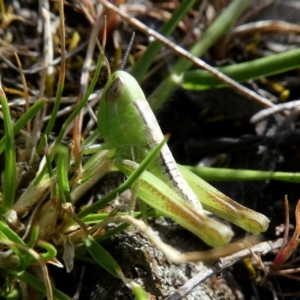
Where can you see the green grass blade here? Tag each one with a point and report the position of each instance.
(39, 285)
(60, 83)
(143, 64)
(91, 139)
(53, 117)
(51, 251)
(62, 174)
(27, 116)
(222, 174)
(212, 34)
(83, 101)
(74, 113)
(34, 234)
(96, 218)
(266, 66)
(107, 262)
(8, 234)
(49, 164)
(139, 293)
(101, 256)
(9, 180)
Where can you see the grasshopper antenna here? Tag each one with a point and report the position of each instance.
(101, 48)
(127, 51)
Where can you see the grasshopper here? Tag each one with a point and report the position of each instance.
(129, 126)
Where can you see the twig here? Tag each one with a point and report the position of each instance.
(34, 69)
(44, 20)
(184, 53)
(263, 114)
(221, 265)
(25, 88)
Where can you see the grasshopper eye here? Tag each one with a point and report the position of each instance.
(115, 90)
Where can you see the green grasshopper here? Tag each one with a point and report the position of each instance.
(128, 125)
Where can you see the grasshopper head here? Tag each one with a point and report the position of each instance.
(118, 120)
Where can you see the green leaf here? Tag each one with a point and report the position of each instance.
(274, 64)
(143, 64)
(210, 36)
(39, 285)
(101, 256)
(9, 181)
